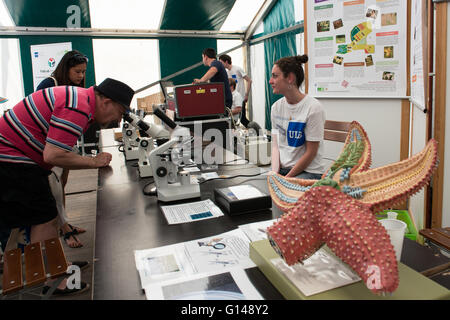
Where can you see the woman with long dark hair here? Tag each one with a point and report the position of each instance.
(70, 71)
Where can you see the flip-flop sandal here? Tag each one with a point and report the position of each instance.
(75, 229)
(67, 292)
(67, 235)
(81, 264)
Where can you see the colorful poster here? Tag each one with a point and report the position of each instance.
(45, 59)
(357, 48)
(418, 52)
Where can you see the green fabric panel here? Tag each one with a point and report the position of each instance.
(180, 53)
(83, 44)
(281, 16)
(195, 14)
(47, 13)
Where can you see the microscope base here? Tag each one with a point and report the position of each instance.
(131, 153)
(176, 191)
(145, 170)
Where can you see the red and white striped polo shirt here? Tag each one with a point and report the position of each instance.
(57, 115)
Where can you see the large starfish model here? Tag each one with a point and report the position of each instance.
(338, 210)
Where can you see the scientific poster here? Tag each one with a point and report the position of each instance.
(418, 51)
(357, 48)
(45, 59)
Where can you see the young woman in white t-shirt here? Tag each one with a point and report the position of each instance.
(297, 123)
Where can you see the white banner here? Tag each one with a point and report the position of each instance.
(357, 48)
(418, 84)
(45, 59)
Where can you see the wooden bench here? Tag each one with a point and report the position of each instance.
(37, 259)
(439, 236)
(336, 130)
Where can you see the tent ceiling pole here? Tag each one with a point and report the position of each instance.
(262, 13)
(249, 72)
(173, 75)
(141, 33)
(252, 42)
(277, 33)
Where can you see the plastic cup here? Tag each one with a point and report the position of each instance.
(396, 231)
(392, 215)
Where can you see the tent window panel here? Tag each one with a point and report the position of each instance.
(135, 62)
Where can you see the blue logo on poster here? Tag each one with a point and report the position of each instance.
(296, 134)
(36, 54)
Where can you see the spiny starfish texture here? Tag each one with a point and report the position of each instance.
(338, 210)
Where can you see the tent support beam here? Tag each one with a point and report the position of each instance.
(114, 33)
(173, 75)
(262, 13)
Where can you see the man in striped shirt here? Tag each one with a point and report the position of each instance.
(39, 133)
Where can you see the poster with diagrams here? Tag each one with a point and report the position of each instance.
(357, 48)
(418, 51)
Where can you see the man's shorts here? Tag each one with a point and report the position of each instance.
(25, 195)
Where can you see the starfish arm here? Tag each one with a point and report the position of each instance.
(347, 226)
(392, 184)
(356, 154)
(285, 192)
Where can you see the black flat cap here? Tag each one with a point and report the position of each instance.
(116, 91)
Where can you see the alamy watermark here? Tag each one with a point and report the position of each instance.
(74, 20)
(74, 281)
(213, 152)
(374, 279)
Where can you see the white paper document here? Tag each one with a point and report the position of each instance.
(245, 192)
(191, 211)
(212, 254)
(226, 250)
(319, 273)
(257, 230)
(230, 285)
(162, 263)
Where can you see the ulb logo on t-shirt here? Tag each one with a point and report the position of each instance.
(296, 134)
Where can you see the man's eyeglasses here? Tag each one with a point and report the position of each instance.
(80, 58)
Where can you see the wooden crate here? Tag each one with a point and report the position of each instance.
(147, 102)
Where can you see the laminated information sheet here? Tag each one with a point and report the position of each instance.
(357, 48)
(191, 211)
(216, 253)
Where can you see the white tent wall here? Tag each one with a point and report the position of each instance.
(380, 118)
(11, 83)
(133, 61)
(237, 56)
(258, 75)
(258, 99)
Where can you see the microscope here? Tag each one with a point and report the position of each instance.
(130, 142)
(144, 144)
(171, 184)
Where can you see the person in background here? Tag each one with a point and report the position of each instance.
(236, 108)
(70, 71)
(216, 73)
(239, 75)
(38, 134)
(298, 122)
